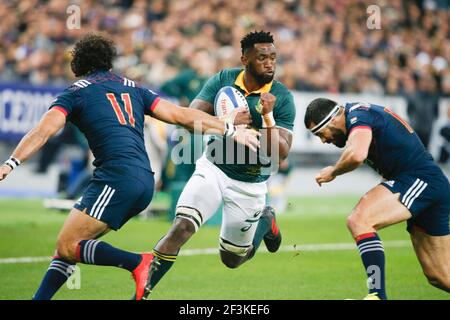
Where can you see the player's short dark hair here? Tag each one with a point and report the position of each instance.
(317, 110)
(250, 39)
(92, 53)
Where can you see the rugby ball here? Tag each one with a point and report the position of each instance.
(228, 99)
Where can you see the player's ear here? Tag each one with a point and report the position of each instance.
(244, 60)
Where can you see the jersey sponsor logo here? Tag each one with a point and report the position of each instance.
(82, 83)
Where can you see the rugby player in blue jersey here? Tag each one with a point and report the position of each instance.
(109, 109)
(414, 188)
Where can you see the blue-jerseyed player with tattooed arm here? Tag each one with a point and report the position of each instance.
(414, 187)
(109, 110)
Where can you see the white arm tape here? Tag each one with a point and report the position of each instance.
(12, 163)
(268, 121)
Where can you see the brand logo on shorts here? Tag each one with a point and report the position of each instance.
(390, 183)
(252, 220)
(353, 120)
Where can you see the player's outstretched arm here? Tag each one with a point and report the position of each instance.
(355, 152)
(202, 105)
(241, 118)
(199, 121)
(49, 125)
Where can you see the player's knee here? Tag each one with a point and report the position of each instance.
(353, 221)
(231, 260)
(233, 255)
(231, 263)
(66, 249)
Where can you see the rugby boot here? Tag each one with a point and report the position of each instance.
(272, 238)
(142, 275)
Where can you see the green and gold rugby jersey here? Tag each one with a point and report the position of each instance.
(241, 165)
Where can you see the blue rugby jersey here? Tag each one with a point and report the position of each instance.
(395, 147)
(109, 110)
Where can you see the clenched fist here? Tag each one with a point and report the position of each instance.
(325, 175)
(267, 102)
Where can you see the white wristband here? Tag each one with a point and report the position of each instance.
(230, 130)
(268, 121)
(12, 163)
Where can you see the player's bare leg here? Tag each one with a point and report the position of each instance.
(180, 232)
(76, 243)
(199, 200)
(166, 250)
(78, 226)
(377, 209)
(434, 257)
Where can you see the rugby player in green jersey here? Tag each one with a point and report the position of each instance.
(237, 181)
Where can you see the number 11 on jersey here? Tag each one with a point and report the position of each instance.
(128, 108)
(403, 122)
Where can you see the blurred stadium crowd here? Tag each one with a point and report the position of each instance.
(322, 45)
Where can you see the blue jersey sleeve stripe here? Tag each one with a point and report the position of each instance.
(359, 127)
(59, 108)
(155, 102)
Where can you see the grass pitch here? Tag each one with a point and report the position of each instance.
(29, 230)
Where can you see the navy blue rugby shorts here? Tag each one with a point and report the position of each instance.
(115, 194)
(426, 194)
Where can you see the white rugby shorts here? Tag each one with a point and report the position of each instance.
(243, 203)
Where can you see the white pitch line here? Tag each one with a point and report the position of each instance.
(25, 260)
(210, 251)
(303, 247)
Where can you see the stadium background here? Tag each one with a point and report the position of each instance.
(324, 49)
